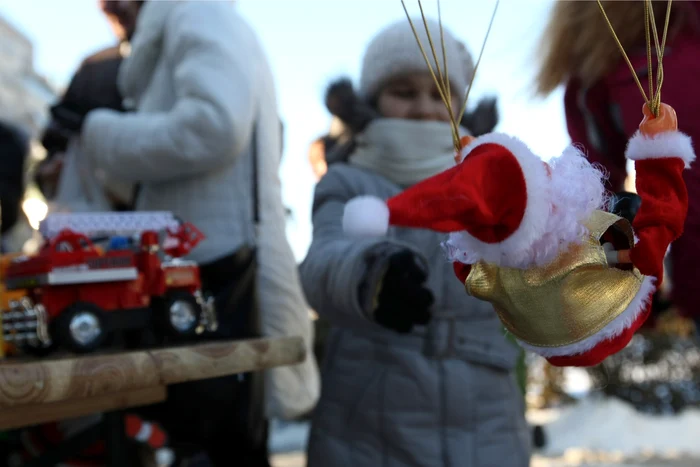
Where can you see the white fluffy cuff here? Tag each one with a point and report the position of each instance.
(671, 144)
(366, 216)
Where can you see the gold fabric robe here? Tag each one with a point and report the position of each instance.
(568, 300)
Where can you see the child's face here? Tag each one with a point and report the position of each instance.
(415, 97)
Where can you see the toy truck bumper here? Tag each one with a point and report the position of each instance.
(26, 323)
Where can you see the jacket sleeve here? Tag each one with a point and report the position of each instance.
(341, 274)
(210, 123)
(659, 163)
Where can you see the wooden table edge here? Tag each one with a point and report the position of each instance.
(26, 384)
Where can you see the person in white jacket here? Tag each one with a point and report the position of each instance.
(66, 183)
(205, 108)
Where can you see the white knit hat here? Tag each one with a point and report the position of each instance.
(394, 51)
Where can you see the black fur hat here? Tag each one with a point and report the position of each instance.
(483, 119)
(343, 102)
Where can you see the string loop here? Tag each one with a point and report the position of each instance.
(441, 79)
(653, 100)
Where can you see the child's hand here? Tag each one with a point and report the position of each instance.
(403, 300)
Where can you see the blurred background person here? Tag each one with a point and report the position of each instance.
(416, 372)
(325, 144)
(66, 183)
(204, 142)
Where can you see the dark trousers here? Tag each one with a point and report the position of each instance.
(222, 416)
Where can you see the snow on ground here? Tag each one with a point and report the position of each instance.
(595, 432)
(583, 458)
(573, 459)
(611, 425)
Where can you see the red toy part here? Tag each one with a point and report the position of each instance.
(78, 293)
(187, 236)
(36, 441)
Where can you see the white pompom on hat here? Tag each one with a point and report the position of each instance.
(394, 51)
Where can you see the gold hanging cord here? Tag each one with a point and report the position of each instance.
(441, 79)
(653, 100)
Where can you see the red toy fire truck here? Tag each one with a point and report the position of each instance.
(97, 273)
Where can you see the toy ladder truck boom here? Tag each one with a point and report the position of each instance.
(112, 223)
(181, 237)
(78, 293)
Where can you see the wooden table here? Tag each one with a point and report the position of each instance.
(35, 391)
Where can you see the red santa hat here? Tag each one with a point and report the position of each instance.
(499, 204)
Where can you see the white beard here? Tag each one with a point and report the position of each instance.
(576, 191)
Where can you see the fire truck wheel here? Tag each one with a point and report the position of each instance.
(182, 314)
(81, 327)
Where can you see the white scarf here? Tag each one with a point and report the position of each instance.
(404, 151)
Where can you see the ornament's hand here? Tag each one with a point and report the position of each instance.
(616, 256)
(463, 143)
(654, 125)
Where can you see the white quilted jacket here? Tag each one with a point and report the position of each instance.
(198, 79)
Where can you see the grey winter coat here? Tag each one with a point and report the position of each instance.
(444, 395)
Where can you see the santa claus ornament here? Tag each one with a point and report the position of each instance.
(571, 281)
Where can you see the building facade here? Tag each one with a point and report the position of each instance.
(24, 94)
(25, 97)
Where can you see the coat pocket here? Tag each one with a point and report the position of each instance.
(347, 419)
(365, 410)
(502, 435)
(365, 421)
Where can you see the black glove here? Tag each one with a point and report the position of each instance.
(626, 205)
(403, 299)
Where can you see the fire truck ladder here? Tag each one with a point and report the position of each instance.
(94, 224)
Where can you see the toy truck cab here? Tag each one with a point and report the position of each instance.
(78, 293)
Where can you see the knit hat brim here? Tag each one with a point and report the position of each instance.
(394, 51)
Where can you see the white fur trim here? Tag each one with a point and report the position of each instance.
(613, 329)
(366, 216)
(537, 210)
(671, 144)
